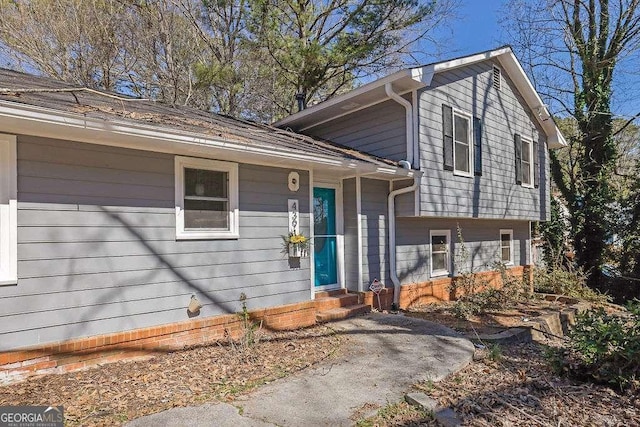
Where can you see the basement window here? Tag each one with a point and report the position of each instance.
(440, 259)
(506, 246)
(206, 199)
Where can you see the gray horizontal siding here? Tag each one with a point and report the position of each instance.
(481, 238)
(97, 251)
(405, 203)
(374, 232)
(350, 234)
(379, 130)
(495, 194)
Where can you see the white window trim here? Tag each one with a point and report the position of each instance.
(214, 165)
(529, 141)
(510, 233)
(469, 118)
(447, 271)
(8, 210)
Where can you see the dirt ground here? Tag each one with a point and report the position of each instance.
(515, 384)
(512, 385)
(516, 387)
(489, 322)
(115, 393)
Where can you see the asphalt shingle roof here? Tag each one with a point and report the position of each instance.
(60, 96)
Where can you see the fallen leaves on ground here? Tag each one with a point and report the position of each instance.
(521, 389)
(115, 393)
(489, 321)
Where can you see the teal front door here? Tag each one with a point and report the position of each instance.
(325, 239)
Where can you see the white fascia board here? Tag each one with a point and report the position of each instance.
(467, 60)
(515, 72)
(517, 75)
(419, 74)
(37, 121)
(425, 73)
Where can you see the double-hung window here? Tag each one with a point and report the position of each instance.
(527, 169)
(206, 199)
(506, 246)
(462, 142)
(527, 162)
(440, 259)
(463, 147)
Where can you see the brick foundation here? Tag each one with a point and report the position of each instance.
(438, 290)
(85, 352)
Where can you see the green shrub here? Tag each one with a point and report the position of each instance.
(606, 347)
(514, 288)
(562, 280)
(464, 309)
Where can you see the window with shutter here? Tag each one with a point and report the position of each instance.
(517, 142)
(526, 160)
(536, 164)
(527, 167)
(462, 147)
(447, 136)
(477, 146)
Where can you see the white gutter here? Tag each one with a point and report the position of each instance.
(408, 119)
(391, 203)
(307, 112)
(26, 119)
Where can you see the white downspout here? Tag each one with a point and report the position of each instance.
(408, 119)
(391, 203)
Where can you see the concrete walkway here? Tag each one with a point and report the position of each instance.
(386, 355)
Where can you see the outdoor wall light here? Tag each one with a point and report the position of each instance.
(294, 181)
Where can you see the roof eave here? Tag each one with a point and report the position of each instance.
(412, 76)
(24, 119)
(514, 70)
(422, 77)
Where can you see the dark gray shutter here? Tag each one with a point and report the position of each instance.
(517, 142)
(447, 136)
(477, 146)
(536, 164)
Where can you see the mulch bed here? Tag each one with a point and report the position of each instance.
(115, 393)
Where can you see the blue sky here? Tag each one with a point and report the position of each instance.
(477, 27)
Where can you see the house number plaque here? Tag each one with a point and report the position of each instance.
(294, 217)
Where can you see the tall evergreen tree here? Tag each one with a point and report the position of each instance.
(573, 49)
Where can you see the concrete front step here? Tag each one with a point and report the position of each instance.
(344, 300)
(342, 313)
